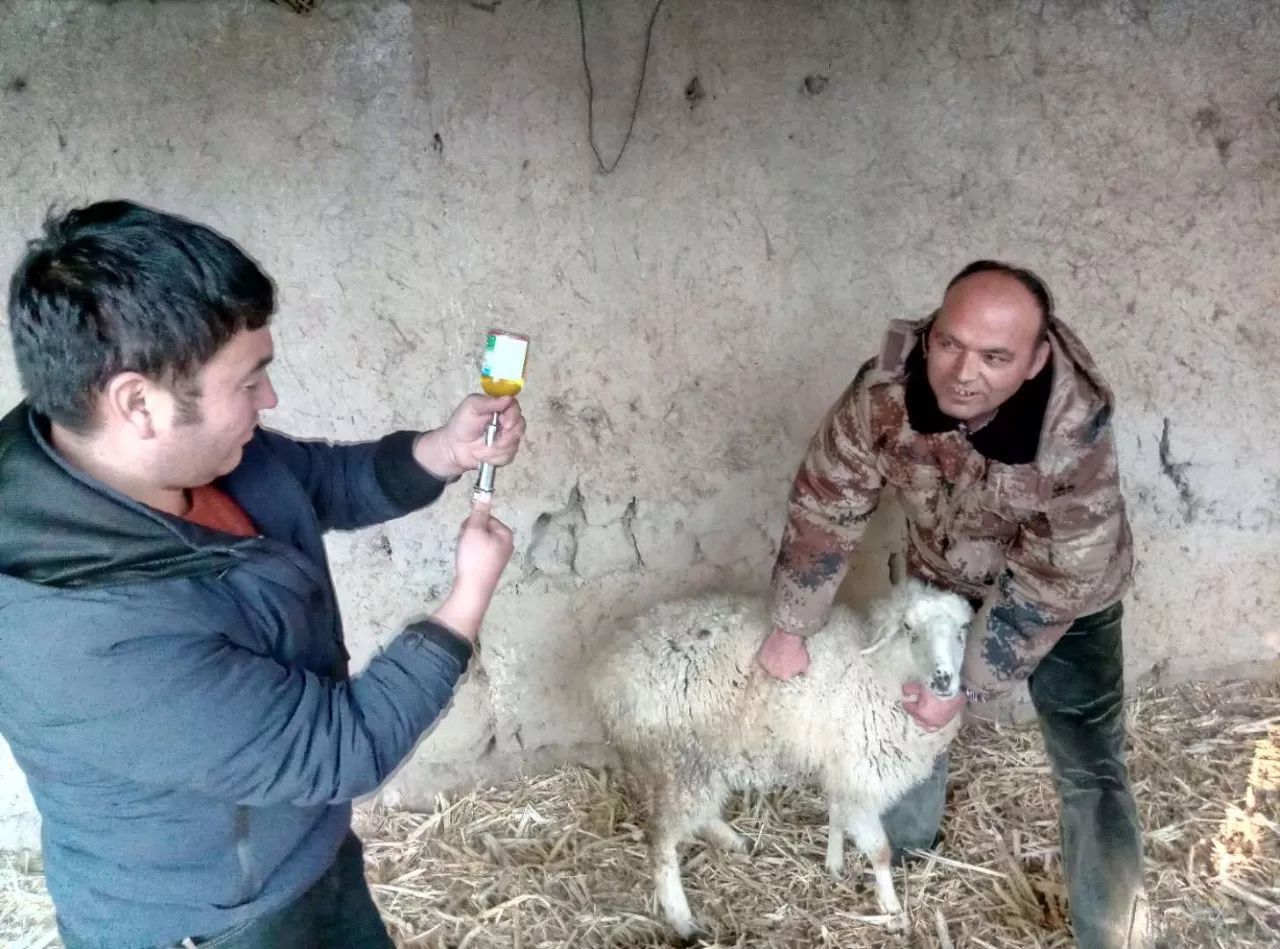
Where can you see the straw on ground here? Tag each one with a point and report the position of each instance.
(559, 859)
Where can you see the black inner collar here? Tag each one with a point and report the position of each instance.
(1012, 437)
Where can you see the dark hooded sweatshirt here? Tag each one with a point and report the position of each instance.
(178, 698)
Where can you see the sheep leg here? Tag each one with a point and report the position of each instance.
(711, 825)
(672, 824)
(718, 833)
(868, 833)
(666, 880)
(835, 837)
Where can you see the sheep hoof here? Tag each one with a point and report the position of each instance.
(721, 835)
(836, 869)
(690, 936)
(897, 923)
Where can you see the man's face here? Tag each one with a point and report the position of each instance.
(203, 436)
(983, 345)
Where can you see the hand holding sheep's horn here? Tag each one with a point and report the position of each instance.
(929, 711)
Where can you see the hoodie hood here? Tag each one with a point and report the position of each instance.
(60, 528)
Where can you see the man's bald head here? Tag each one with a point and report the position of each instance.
(1028, 281)
(989, 336)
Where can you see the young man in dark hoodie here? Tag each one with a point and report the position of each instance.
(173, 679)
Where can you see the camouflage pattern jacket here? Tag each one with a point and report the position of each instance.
(1024, 513)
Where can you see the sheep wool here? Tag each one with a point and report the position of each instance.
(693, 717)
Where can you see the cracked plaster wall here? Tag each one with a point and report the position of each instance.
(799, 173)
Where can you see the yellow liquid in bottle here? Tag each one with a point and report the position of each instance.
(500, 387)
(502, 372)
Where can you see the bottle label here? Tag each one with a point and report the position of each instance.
(504, 356)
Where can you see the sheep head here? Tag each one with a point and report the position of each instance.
(935, 625)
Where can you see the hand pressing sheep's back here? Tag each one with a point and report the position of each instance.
(688, 668)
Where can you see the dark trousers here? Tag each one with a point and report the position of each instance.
(337, 912)
(1078, 693)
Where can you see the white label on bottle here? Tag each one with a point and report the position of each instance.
(504, 357)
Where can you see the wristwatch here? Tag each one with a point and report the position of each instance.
(974, 695)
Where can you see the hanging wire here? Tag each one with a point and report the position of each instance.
(591, 95)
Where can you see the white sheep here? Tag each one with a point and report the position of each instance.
(692, 716)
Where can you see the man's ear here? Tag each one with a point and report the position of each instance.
(125, 400)
(1042, 356)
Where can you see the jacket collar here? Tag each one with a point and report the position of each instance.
(61, 528)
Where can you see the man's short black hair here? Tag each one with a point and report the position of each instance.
(1035, 286)
(117, 287)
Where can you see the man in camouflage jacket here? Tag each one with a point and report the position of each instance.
(991, 421)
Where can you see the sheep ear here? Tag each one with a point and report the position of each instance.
(896, 570)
